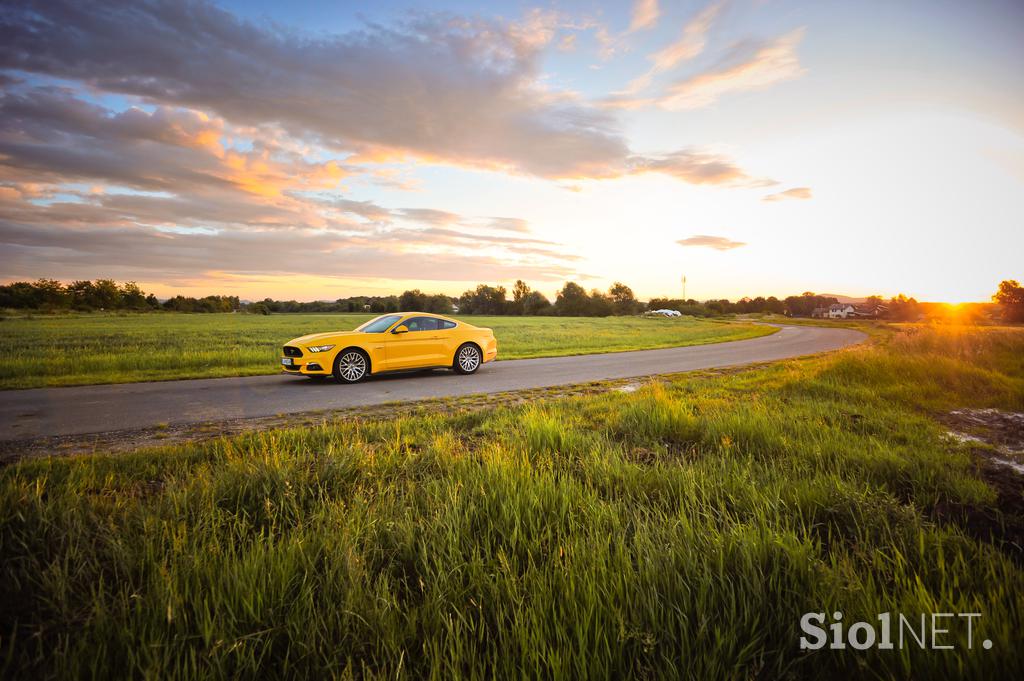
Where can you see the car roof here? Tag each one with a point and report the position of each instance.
(426, 314)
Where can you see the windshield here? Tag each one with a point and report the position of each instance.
(380, 324)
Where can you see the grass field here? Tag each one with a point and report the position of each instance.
(678, 531)
(83, 349)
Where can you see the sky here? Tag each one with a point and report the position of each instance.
(318, 150)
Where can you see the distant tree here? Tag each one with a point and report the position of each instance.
(133, 297)
(384, 304)
(19, 294)
(904, 309)
(81, 293)
(50, 294)
(1011, 298)
(413, 301)
(623, 300)
(804, 304)
(572, 301)
(106, 294)
(599, 305)
(207, 304)
(718, 307)
(774, 305)
(519, 294)
(536, 303)
(484, 299)
(439, 304)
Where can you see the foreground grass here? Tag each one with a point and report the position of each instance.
(679, 531)
(84, 349)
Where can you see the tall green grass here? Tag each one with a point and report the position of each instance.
(106, 348)
(676, 532)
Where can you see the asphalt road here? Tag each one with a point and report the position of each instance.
(45, 412)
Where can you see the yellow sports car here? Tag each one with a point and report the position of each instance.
(391, 342)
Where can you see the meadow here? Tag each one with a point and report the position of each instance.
(676, 531)
(108, 348)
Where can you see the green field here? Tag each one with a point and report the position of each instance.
(678, 531)
(97, 348)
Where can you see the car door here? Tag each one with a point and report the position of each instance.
(449, 340)
(420, 346)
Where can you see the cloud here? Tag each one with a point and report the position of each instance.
(70, 254)
(162, 186)
(510, 224)
(794, 193)
(719, 243)
(444, 89)
(689, 45)
(751, 66)
(697, 167)
(436, 89)
(645, 14)
(430, 216)
(232, 147)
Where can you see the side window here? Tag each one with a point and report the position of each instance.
(422, 324)
(444, 325)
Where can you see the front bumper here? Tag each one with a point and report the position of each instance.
(298, 362)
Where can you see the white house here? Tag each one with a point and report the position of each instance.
(840, 310)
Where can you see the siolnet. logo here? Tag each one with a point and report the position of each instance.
(931, 631)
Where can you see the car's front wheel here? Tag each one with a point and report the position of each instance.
(467, 359)
(351, 366)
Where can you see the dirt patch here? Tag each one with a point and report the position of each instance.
(999, 434)
(995, 440)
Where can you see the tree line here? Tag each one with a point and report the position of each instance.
(571, 301)
(103, 294)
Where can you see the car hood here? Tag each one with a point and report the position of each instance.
(329, 336)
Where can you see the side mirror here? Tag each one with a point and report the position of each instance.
(401, 328)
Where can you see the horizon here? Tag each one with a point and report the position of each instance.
(317, 151)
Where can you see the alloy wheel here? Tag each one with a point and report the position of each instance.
(469, 359)
(352, 366)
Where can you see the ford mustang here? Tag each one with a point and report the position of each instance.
(393, 342)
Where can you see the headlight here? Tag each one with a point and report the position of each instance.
(319, 348)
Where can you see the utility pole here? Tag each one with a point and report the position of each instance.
(684, 288)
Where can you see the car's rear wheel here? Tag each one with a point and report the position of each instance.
(351, 366)
(467, 359)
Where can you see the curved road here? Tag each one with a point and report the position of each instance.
(45, 412)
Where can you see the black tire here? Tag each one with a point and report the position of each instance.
(468, 359)
(347, 364)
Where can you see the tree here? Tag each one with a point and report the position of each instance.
(1011, 298)
(81, 293)
(519, 294)
(106, 294)
(804, 304)
(536, 303)
(50, 293)
(413, 301)
(439, 304)
(904, 309)
(623, 300)
(133, 297)
(484, 300)
(572, 301)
